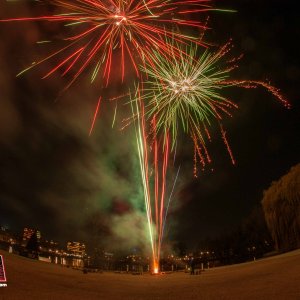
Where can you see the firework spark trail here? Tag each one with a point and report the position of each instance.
(95, 116)
(131, 28)
(168, 204)
(163, 190)
(143, 160)
(156, 209)
(187, 93)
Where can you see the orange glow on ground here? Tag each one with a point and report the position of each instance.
(155, 267)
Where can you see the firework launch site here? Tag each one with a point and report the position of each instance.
(276, 277)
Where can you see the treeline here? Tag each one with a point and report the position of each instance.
(273, 226)
(250, 241)
(281, 204)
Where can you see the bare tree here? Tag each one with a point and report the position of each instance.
(281, 204)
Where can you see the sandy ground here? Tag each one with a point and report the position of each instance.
(273, 278)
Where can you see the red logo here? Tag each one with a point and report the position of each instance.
(2, 270)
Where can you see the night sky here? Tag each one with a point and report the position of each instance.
(54, 177)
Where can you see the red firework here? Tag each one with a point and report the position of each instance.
(110, 29)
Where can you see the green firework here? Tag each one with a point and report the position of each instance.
(185, 91)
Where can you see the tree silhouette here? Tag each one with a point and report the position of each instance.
(33, 244)
(281, 204)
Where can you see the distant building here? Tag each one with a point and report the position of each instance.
(7, 239)
(49, 246)
(50, 252)
(27, 233)
(76, 252)
(76, 248)
(4, 236)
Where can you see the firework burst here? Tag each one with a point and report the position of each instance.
(186, 93)
(129, 28)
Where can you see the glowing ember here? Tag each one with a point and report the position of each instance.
(155, 267)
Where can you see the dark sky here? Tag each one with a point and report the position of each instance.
(71, 186)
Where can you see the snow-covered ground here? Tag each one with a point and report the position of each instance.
(273, 278)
